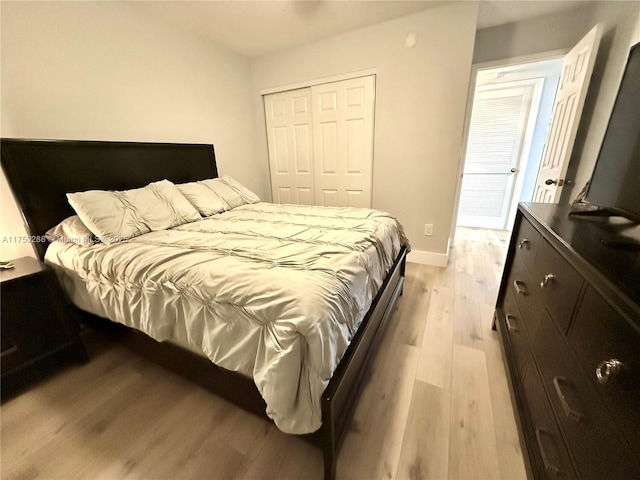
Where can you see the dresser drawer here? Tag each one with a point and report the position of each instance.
(527, 242)
(549, 453)
(34, 326)
(600, 334)
(558, 283)
(518, 337)
(39, 331)
(594, 443)
(527, 295)
(11, 356)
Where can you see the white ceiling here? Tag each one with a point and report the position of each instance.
(254, 28)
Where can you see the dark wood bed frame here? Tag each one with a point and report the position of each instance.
(40, 173)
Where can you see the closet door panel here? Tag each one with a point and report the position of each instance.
(329, 198)
(302, 148)
(343, 127)
(328, 149)
(290, 140)
(283, 195)
(281, 150)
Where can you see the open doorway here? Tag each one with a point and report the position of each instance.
(509, 120)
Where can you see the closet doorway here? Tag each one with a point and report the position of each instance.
(320, 141)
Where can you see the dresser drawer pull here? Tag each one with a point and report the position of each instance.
(609, 369)
(519, 289)
(522, 243)
(9, 351)
(549, 467)
(569, 412)
(547, 278)
(507, 320)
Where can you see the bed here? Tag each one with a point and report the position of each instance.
(42, 172)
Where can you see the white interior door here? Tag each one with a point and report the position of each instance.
(502, 121)
(343, 141)
(290, 139)
(572, 91)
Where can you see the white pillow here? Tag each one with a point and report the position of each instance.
(230, 196)
(71, 230)
(115, 216)
(203, 198)
(217, 195)
(245, 193)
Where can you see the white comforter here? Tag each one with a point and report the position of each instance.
(272, 291)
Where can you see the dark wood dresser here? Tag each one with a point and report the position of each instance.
(39, 328)
(568, 314)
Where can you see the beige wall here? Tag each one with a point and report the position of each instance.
(619, 20)
(101, 71)
(540, 34)
(420, 103)
(562, 31)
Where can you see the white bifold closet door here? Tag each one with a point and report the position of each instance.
(321, 143)
(290, 139)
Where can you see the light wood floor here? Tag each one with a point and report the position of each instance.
(437, 404)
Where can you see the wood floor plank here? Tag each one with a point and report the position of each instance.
(286, 457)
(410, 329)
(84, 429)
(371, 449)
(188, 448)
(478, 240)
(196, 460)
(425, 446)
(472, 443)
(434, 365)
(464, 256)
(245, 433)
(173, 430)
(485, 278)
(446, 276)
(53, 415)
(467, 329)
(496, 247)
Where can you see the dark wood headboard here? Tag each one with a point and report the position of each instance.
(41, 172)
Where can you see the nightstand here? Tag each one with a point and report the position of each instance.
(39, 327)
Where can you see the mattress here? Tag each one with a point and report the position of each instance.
(274, 292)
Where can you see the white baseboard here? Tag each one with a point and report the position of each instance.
(428, 258)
